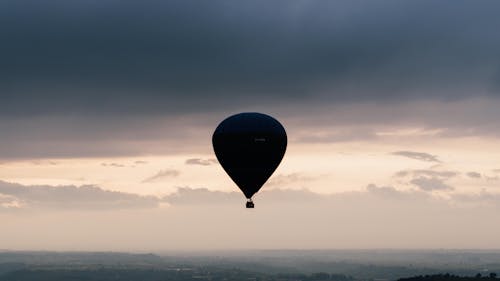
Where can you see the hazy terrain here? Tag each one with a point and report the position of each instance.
(247, 265)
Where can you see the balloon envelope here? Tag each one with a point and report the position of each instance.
(249, 146)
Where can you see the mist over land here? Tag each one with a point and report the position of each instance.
(261, 264)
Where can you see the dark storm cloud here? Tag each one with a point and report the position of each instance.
(90, 136)
(87, 79)
(69, 197)
(166, 57)
(418, 156)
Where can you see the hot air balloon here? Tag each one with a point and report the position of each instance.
(249, 146)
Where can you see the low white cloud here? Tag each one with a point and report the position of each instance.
(387, 191)
(430, 184)
(203, 196)
(9, 202)
(443, 174)
(70, 197)
(202, 162)
(286, 179)
(422, 156)
(474, 175)
(161, 175)
(427, 179)
(481, 198)
(339, 134)
(115, 165)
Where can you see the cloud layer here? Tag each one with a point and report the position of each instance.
(109, 79)
(89, 198)
(418, 156)
(163, 174)
(198, 219)
(143, 57)
(202, 162)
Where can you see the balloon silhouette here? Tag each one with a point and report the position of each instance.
(249, 146)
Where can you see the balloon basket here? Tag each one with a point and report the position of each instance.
(250, 204)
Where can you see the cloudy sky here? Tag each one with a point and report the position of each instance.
(107, 109)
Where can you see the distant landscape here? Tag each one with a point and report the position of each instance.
(340, 265)
(249, 140)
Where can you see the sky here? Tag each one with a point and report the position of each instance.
(107, 110)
